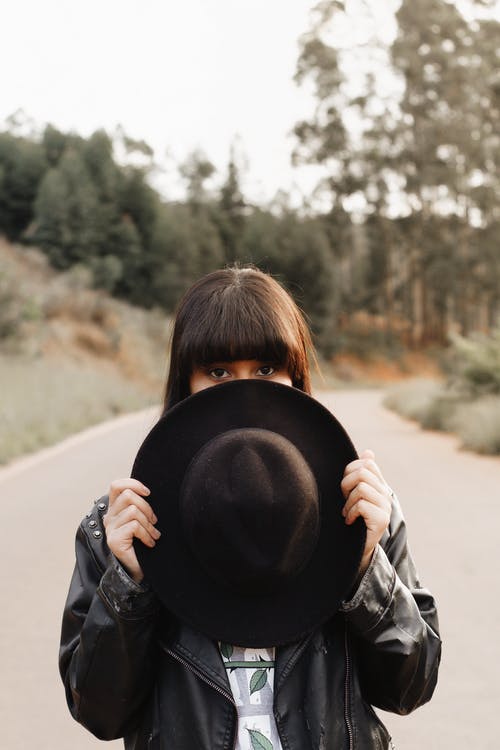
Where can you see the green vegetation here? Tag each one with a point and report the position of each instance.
(468, 403)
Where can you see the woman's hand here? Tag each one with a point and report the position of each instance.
(368, 495)
(129, 516)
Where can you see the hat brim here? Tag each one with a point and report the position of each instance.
(181, 583)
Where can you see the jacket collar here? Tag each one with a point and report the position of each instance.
(203, 655)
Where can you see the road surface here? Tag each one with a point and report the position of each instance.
(451, 501)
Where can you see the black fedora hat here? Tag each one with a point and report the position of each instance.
(245, 482)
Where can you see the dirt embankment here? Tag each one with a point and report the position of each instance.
(70, 356)
(58, 316)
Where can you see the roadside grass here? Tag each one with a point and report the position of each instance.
(413, 398)
(478, 425)
(435, 406)
(468, 402)
(43, 401)
(70, 356)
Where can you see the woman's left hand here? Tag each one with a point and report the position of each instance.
(368, 495)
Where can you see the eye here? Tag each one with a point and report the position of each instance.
(218, 373)
(266, 370)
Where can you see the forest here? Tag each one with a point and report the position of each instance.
(400, 243)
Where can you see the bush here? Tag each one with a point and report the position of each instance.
(474, 364)
(468, 404)
(10, 309)
(428, 402)
(478, 425)
(414, 399)
(440, 411)
(16, 307)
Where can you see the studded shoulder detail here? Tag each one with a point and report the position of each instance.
(93, 527)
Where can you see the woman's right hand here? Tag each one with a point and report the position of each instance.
(129, 516)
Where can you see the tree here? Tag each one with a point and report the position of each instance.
(428, 152)
(297, 252)
(66, 213)
(54, 144)
(22, 166)
(185, 246)
(230, 213)
(139, 201)
(195, 171)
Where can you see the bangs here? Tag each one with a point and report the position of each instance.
(212, 346)
(233, 329)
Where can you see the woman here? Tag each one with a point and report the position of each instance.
(133, 670)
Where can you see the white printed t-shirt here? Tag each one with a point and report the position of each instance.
(251, 676)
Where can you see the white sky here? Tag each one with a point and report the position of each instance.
(180, 75)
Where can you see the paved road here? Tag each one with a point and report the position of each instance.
(451, 502)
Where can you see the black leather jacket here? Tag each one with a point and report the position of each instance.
(132, 671)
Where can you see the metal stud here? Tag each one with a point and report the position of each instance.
(102, 506)
(92, 524)
(97, 534)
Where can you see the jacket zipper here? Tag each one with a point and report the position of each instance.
(202, 676)
(347, 693)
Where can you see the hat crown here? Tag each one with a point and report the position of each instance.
(249, 507)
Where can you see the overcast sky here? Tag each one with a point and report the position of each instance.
(181, 75)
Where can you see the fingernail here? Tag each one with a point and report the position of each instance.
(155, 520)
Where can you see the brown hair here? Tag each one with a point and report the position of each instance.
(237, 313)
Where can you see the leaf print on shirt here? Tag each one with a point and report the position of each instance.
(226, 650)
(258, 680)
(259, 741)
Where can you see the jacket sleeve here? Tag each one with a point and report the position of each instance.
(393, 621)
(107, 651)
